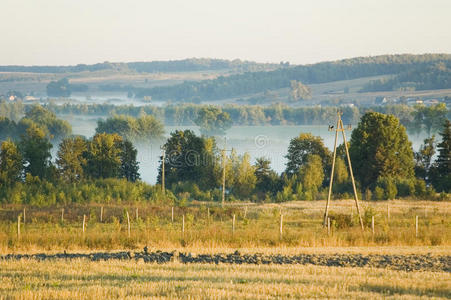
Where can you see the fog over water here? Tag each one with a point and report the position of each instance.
(268, 141)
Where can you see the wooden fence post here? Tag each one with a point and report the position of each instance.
(372, 224)
(24, 217)
(245, 212)
(328, 226)
(172, 214)
(128, 223)
(281, 226)
(101, 214)
(233, 224)
(416, 226)
(18, 227)
(388, 212)
(137, 216)
(62, 215)
(84, 224)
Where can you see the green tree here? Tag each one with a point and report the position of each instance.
(213, 121)
(311, 176)
(299, 91)
(244, 177)
(104, 156)
(303, 146)
(190, 158)
(53, 127)
(442, 172)
(379, 147)
(429, 118)
(71, 158)
(423, 158)
(129, 164)
(35, 149)
(11, 164)
(267, 179)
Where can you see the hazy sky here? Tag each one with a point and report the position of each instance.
(54, 32)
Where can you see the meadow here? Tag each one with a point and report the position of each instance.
(237, 225)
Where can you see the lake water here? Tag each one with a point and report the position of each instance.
(269, 141)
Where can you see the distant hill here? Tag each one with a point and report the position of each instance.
(185, 65)
(256, 82)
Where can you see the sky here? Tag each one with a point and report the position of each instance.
(69, 32)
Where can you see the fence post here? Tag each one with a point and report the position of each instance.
(372, 224)
(137, 216)
(62, 215)
(281, 226)
(24, 217)
(172, 214)
(18, 227)
(101, 214)
(245, 212)
(128, 223)
(328, 226)
(416, 226)
(233, 224)
(84, 224)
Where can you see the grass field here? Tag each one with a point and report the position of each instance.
(202, 226)
(129, 280)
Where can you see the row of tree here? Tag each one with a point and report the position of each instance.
(258, 82)
(414, 118)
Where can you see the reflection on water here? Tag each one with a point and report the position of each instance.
(269, 141)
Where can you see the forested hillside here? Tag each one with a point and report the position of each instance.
(185, 65)
(255, 82)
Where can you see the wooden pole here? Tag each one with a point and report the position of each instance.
(101, 214)
(372, 224)
(62, 215)
(84, 224)
(281, 226)
(18, 227)
(352, 175)
(326, 213)
(233, 224)
(24, 219)
(128, 223)
(172, 214)
(416, 226)
(328, 226)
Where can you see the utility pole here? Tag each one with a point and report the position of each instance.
(223, 171)
(340, 127)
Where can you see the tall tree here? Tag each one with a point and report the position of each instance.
(311, 176)
(442, 176)
(35, 149)
(423, 158)
(129, 164)
(267, 178)
(303, 146)
(379, 147)
(11, 163)
(71, 158)
(104, 156)
(213, 121)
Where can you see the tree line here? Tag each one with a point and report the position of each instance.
(384, 165)
(258, 82)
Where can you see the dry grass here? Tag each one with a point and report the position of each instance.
(130, 280)
(257, 226)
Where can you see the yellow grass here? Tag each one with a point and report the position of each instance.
(130, 280)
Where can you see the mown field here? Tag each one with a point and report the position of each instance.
(129, 280)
